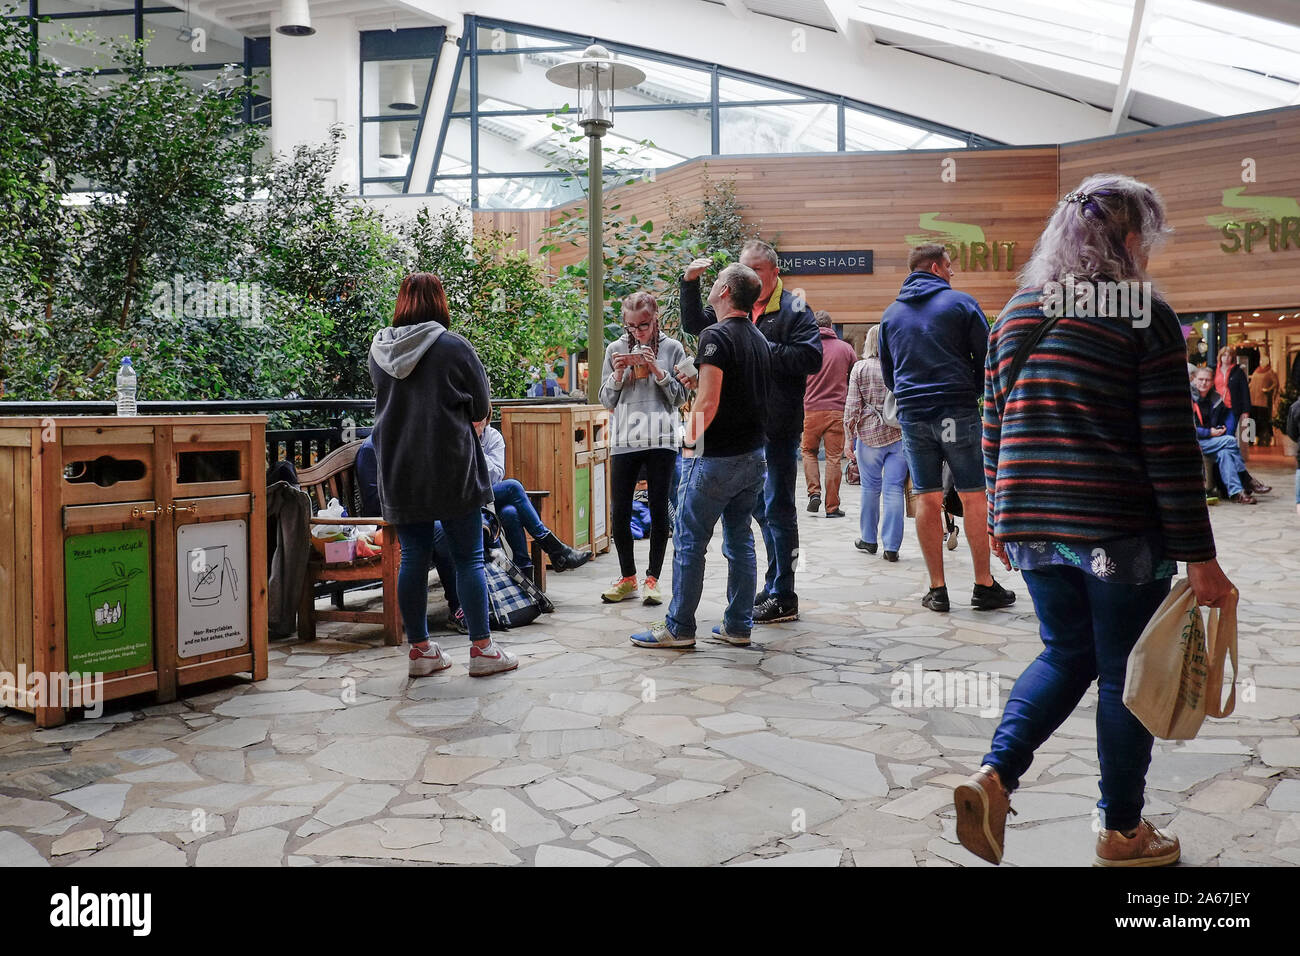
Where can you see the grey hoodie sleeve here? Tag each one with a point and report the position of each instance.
(672, 356)
(610, 390)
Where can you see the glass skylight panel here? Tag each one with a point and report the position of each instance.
(1217, 59)
(665, 83)
(1085, 37)
(731, 90)
(867, 131)
(810, 128)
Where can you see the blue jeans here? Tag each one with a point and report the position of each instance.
(464, 537)
(713, 488)
(955, 437)
(675, 483)
(882, 469)
(517, 515)
(1088, 628)
(1227, 454)
(446, 565)
(776, 516)
(1297, 486)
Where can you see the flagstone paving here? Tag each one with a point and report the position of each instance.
(801, 750)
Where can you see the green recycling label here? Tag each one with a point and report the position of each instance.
(109, 600)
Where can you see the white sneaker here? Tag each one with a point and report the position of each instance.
(427, 661)
(492, 660)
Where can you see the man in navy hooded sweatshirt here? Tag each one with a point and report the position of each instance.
(933, 341)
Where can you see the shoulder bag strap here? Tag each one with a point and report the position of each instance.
(1031, 342)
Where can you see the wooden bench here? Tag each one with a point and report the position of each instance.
(334, 476)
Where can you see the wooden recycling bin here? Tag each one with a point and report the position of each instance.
(549, 448)
(600, 528)
(133, 556)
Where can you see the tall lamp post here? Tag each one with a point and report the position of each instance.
(595, 75)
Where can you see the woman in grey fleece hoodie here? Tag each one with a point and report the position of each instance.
(430, 389)
(640, 387)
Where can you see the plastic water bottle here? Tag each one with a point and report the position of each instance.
(126, 388)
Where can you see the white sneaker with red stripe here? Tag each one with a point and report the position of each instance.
(427, 660)
(490, 660)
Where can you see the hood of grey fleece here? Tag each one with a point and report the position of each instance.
(398, 350)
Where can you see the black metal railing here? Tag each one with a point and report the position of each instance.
(302, 444)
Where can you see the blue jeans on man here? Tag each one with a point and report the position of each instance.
(952, 435)
(1088, 627)
(713, 488)
(1227, 454)
(777, 517)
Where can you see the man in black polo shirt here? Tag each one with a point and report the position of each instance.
(723, 467)
(796, 351)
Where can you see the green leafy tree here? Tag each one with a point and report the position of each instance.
(639, 257)
(165, 165)
(175, 215)
(337, 258)
(517, 316)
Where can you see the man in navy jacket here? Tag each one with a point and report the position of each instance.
(791, 331)
(933, 342)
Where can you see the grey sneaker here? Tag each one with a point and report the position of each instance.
(723, 636)
(426, 661)
(494, 660)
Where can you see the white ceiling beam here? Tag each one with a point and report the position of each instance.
(446, 13)
(1124, 88)
(738, 9)
(263, 8)
(384, 20)
(235, 10)
(203, 12)
(857, 32)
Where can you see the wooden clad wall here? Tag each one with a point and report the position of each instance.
(886, 202)
(1192, 167)
(525, 224)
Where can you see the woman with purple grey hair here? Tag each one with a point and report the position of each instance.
(1095, 490)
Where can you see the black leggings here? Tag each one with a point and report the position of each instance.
(625, 471)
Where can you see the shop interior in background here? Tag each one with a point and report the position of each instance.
(1266, 334)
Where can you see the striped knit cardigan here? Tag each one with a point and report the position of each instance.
(1095, 442)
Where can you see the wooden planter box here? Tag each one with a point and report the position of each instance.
(132, 550)
(563, 449)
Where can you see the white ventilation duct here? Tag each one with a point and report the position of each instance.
(295, 19)
(403, 88)
(390, 141)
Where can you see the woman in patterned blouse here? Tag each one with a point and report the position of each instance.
(1095, 490)
(878, 450)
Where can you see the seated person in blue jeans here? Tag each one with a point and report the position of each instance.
(933, 342)
(514, 511)
(517, 514)
(724, 468)
(1216, 432)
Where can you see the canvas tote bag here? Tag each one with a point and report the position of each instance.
(1175, 671)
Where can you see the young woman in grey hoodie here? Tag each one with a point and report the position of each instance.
(430, 389)
(639, 386)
